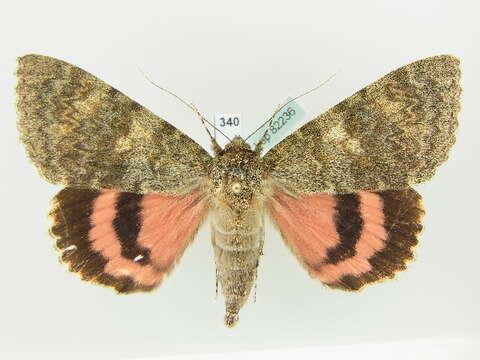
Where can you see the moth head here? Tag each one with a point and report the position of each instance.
(236, 176)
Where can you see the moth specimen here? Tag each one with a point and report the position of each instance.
(137, 189)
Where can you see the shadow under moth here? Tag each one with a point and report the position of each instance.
(137, 189)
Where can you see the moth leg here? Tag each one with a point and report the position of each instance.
(262, 240)
(216, 283)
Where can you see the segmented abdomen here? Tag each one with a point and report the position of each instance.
(237, 250)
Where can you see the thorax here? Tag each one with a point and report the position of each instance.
(237, 193)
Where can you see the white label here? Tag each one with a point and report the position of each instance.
(229, 124)
(283, 124)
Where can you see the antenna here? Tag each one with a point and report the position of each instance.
(269, 121)
(191, 107)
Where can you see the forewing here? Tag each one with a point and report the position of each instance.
(80, 131)
(392, 134)
(347, 241)
(124, 240)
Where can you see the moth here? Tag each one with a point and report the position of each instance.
(137, 189)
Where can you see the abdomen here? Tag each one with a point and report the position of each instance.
(237, 243)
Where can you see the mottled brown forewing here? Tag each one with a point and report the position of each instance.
(79, 131)
(392, 134)
(138, 189)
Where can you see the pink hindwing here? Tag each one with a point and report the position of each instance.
(125, 240)
(347, 241)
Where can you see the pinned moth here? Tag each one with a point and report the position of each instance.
(137, 189)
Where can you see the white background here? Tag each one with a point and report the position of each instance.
(242, 57)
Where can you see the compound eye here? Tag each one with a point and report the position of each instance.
(236, 188)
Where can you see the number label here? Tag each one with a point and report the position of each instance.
(230, 124)
(280, 121)
(229, 121)
(281, 126)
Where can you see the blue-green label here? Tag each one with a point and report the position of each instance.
(282, 125)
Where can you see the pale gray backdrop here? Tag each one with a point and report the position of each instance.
(242, 57)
